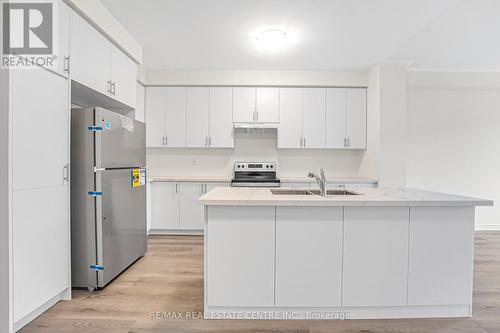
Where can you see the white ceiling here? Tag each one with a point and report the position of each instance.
(329, 34)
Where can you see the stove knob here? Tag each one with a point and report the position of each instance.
(267, 166)
(272, 166)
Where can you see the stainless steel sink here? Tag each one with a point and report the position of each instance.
(285, 191)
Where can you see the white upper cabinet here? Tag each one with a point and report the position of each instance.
(336, 118)
(244, 105)
(313, 117)
(356, 118)
(123, 77)
(203, 117)
(63, 50)
(197, 117)
(267, 105)
(90, 56)
(346, 118)
(290, 127)
(40, 135)
(259, 105)
(156, 105)
(99, 65)
(221, 118)
(175, 135)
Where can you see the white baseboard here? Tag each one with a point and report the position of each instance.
(487, 227)
(41, 309)
(344, 312)
(180, 232)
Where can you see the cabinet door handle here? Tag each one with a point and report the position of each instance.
(345, 142)
(201, 188)
(176, 188)
(256, 115)
(66, 64)
(166, 141)
(162, 140)
(301, 141)
(108, 87)
(348, 142)
(206, 141)
(113, 88)
(305, 145)
(66, 173)
(210, 141)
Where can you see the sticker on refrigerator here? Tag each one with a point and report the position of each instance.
(138, 177)
(107, 124)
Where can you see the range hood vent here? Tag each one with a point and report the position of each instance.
(255, 128)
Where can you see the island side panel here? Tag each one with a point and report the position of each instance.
(240, 256)
(441, 256)
(309, 256)
(375, 256)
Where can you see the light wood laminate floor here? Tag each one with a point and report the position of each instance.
(170, 278)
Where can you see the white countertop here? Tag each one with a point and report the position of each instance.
(238, 196)
(352, 180)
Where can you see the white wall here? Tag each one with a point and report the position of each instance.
(262, 78)
(393, 132)
(258, 147)
(253, 147)
(454, 136)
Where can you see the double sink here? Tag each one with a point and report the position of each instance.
(286, 191)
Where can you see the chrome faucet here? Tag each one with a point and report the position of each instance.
(321, 180)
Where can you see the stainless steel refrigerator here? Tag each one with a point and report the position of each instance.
(108, 195)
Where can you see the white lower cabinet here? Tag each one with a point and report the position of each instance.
(437, 274)
(191, 211)
(375, 256)
(241, 273)
(175, 207)
(309, 256)
(164, 205)
(40, 239)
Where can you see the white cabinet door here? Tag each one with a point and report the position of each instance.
(41, 259)
(176, 117)
(40, 128)
(141, 103)
(197, 117)
(63, 51)
(309, 256)
(191, 211)
(164, 205)
(243, 105)
(221, 118)
(90, 56)
(267, 105)
(123, 78)
(235, 275)
(290, 127)
(336, 118)
(356, 118)
(156, 106)
(313, 117)
(441, 255)
(375, 256)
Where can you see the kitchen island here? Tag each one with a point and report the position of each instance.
(366, 253)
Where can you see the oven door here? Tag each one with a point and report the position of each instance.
(255, 179)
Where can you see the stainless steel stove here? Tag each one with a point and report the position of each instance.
(255, 174)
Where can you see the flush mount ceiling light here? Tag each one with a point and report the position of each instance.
(272, 40)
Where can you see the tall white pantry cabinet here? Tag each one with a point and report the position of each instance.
(39, 103)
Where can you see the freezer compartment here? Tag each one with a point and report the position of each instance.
(122, 222)
(121, 142)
